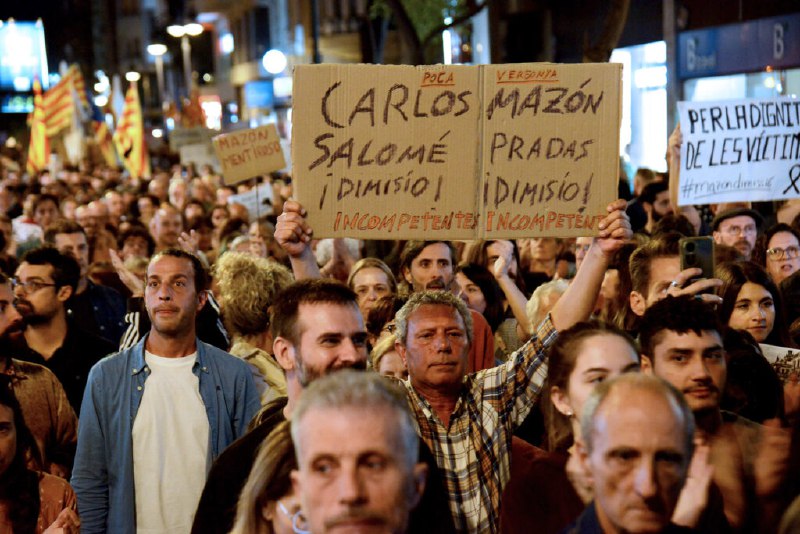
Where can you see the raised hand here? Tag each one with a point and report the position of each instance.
(291, 231)
(615, 228)
(134, 284)
(694, 495)
(189, 242)
(681, 286)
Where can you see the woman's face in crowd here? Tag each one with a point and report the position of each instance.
(258, 242)
(370, 285)
(470, 293)
(68, 208)
(599, 358)
(218, 217)
(8, 438)
(754, 311)
(610, 286)
(780, 269)
(146, 207)
(544, 248)
(392, 365)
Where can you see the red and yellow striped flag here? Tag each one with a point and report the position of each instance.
(102, 137)
(129, 137)
(59, 101)
(39, 146)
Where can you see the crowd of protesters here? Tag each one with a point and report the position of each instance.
(171, 361)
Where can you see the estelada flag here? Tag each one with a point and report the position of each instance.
(60, 100)
(39, 146)
(129, 137)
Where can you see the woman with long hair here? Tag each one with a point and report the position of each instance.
(751, 301)
(30, 501)
(267, 504)
(372, 280)
(481, 292)
(555, 489)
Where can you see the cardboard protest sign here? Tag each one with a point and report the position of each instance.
(739, 150)
(550, 148)
(189, 136)
(246, 154)
(258, 201)
(199, 154)
(455, 152)
(389, 151)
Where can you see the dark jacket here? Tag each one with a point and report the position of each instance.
(216, 511)
(589, 523)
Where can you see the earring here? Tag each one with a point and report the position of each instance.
(569, 413)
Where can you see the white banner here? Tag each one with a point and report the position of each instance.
(739, 150)
(257, 201)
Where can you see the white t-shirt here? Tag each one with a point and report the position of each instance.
(170, 447)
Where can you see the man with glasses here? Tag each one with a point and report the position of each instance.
(49, 417)
(44, 281)
(737, 228)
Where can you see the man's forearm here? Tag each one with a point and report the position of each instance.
(577, 303)
(305, 265)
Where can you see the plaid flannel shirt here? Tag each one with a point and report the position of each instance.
(474, 452)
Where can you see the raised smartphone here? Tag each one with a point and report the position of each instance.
(698, 252)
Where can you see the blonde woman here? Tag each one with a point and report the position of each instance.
(386, 361)
(247, 285)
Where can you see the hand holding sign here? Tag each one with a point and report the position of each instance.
(292, 232)
(615, 229)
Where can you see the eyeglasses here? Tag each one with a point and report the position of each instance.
(778, 253)
(299, 525)
(31, 286)
(737, 230)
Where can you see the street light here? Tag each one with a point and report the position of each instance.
(274, 61)
(158, 50)
(183, 32)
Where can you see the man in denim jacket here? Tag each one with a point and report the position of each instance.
(156, 415)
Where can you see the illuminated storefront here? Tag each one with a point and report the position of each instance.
(643, 132)
(754, 59)
(22, 57)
